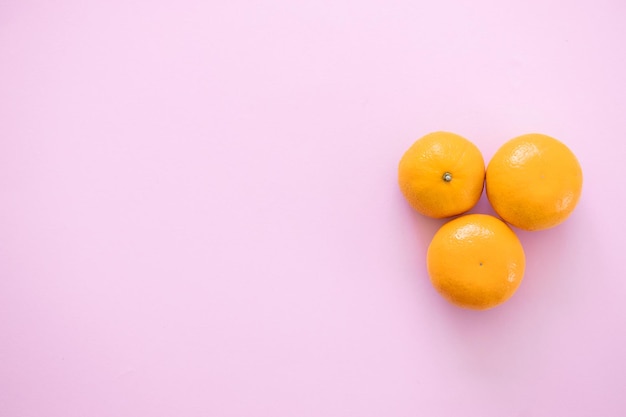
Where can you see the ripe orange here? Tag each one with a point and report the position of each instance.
(476, 261)
(442, 175)
(534, 182)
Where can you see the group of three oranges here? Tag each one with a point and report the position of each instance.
(533, 182)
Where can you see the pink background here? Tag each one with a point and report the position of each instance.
(199, 213)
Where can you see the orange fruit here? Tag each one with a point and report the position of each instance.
(534, 182)
(476, 261)
(442, 175)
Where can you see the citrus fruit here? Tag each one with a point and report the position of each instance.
(534, 182)
(442, 175)
(476, 261)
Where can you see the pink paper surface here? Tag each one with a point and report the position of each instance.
(199, 213)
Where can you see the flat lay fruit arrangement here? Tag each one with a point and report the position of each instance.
(533, 182)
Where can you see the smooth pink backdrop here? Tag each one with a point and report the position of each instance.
(199, 213)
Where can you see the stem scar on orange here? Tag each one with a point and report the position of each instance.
(442, 175)
(476, 261)
(534, 182)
